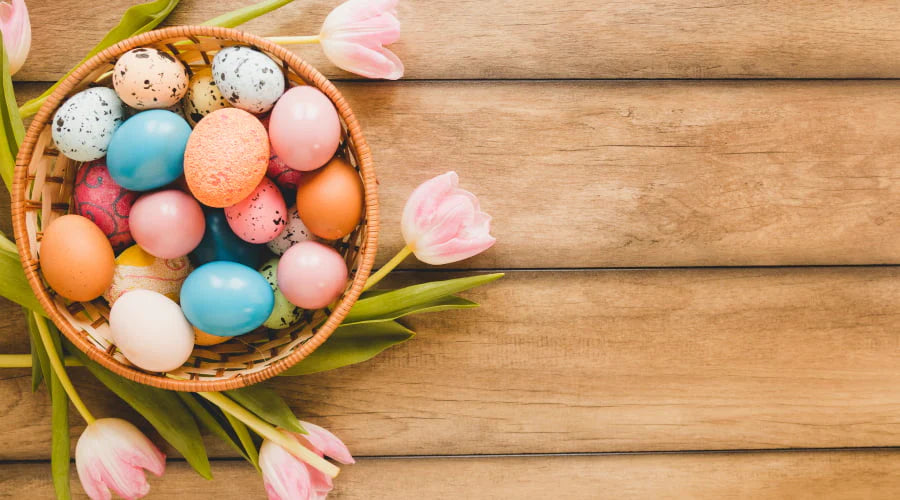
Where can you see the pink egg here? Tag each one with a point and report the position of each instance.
(261, 216)
(304, 128)
(311, 275)
(107, 204)
(167, 224)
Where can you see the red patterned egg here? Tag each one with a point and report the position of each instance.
(284, 176)
(107, 204)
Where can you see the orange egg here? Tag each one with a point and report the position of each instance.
(330, 199)
(206, 339)
(76, 258)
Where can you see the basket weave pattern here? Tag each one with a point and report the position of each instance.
(42, 191)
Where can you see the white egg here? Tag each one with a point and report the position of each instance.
(293, 233)
(83, 126)
(249, 79)
(151, 331)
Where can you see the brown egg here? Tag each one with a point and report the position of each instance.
(330, 199)
(76, 258)
(206, 339)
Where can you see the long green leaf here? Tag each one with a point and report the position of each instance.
(163, 409)
(413, 296)
(240, 16)
(40, 363)
(252, 453)
(60, 442)
(210, 422)
(136, 20)
(10, 123)
(441, 304)
(14, 285)
(267, 405)
(352, 344)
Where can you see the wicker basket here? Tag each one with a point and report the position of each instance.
(42, 191)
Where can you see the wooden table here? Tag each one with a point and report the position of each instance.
(697, 203)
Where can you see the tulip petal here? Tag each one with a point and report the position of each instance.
(383, 29)
(364, 61)
(324, 441)
(16, 27)
(285, 477)
(112, 454)
(422, 203)
(454, 250)
(354, 11)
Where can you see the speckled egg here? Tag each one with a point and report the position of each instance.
(203, 97)
(261, 216)
(226, 157)
(249, 79)
(84, 124)
(148, 78)
(138, 270)
(284, 314)
(295, 232)
(97, 197)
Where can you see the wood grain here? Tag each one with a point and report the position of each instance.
(599, 361)
(450, 39)
(796, 475)
(612, 174)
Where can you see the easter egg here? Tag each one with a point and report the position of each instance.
(203, 97)
(261, 216)
(330, 200)
(226, 298)
(220, 243)
(304, 128)
(284, 176)
(249, 79)
(311, 275)
(147, 78)
(284, 314)
(226, 157)
(205, 339)
(167, 224)
(147, 151)
(97, 197)
(294, 232)
(76, 258)
(138, 270)
(151, 331)
(83, 126)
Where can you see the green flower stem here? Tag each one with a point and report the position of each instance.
(24, 361)
(60, 370)
(271, 433)
(388, 267)
(294, 40)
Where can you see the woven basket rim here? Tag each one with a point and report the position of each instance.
(312, 77)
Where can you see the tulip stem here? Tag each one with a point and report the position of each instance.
(294, 40)
(269, 432)
(388, 267)
(60, 370)
(24, 361)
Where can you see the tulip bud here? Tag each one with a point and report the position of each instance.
(16, 28)
(111, 454)
(286, 477)
(354, 34)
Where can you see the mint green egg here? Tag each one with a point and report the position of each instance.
(284, 314)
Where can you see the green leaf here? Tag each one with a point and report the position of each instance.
(136, 20)
(15, 286)
(163, 409)
(246, 439)
(352, 344)
(10, 124)
(209, 418)
(414, 296)
(60, 442)
(441, 304)
(40, 363)
(244, 14)
(267, 405)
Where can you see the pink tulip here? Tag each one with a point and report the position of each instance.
(354, 34)
(111, 454)
(442, 223)
(288, 478)
(16, 28)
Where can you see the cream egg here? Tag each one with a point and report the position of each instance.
(151, 331)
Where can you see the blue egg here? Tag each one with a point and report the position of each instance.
(226, 298)
(220, 243)
(147, 151)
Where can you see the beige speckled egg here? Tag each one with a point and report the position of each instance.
(147, 78)
(203, 97)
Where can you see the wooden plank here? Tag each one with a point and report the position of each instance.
(599, 361)
(798, 475)
(565, 39)
(611, 174)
